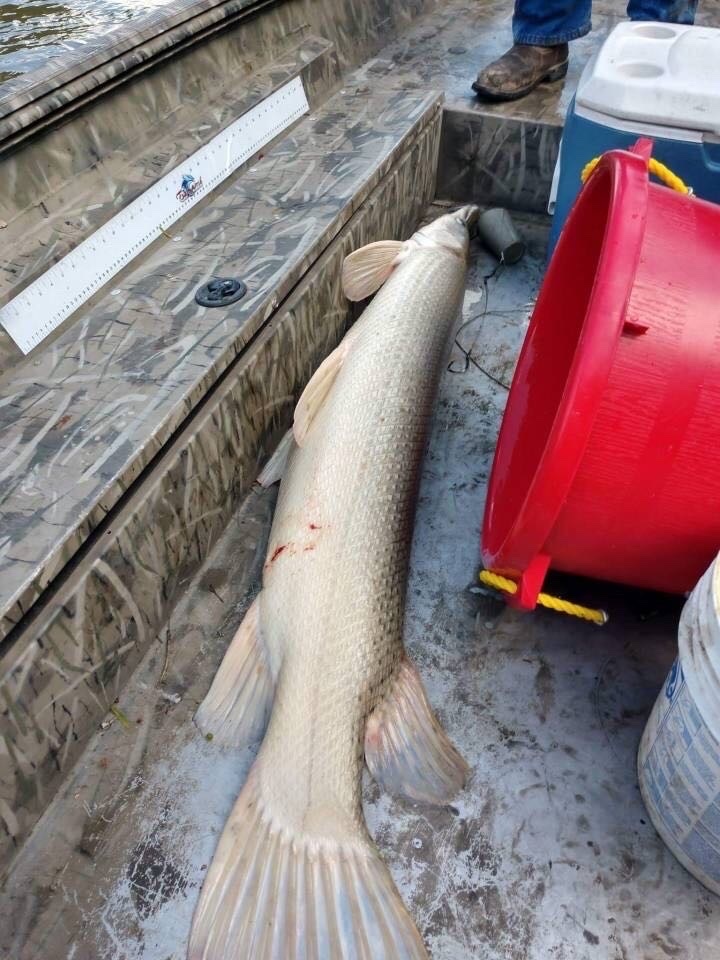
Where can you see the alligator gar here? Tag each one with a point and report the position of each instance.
(318, 663)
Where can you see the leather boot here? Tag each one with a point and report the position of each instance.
(520, 70)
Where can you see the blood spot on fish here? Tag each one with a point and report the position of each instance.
(278, 551)
(314, 526)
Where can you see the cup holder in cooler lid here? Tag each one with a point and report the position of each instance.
(656, 73)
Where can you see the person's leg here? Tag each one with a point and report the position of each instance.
(548, 23)
(541, 31)
(666, 11)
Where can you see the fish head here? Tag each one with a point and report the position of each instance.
(449, 232)
(366, 270)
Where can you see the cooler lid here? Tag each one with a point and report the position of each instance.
(658, 73)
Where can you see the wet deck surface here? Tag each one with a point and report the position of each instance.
(446, 48)
(547, 853)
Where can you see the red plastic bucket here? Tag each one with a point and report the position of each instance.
(608, 460)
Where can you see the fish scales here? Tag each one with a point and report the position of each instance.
(329, 640)
(340, 611)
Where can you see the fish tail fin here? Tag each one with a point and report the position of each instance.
(406, 749)
(271, 894)
(237, 707)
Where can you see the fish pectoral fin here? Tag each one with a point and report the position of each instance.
(367, 269)
(273, 893)
(237, 707)
(317, 389)
(406, 749)
(274, 469)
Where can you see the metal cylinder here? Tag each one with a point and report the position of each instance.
(498, 233)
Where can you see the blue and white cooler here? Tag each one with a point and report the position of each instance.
(658, 80)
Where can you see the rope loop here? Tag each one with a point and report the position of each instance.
(663, 173)
(494, 580)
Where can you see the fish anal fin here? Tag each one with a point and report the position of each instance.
(316, 391)
(406, 749)
(237, 707)
(274, 469)
(272, 893)
(367, 269)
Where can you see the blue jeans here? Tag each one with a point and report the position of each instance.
(548, 22)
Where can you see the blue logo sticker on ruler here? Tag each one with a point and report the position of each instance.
(189, 186)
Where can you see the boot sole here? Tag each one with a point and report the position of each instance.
(553, 74)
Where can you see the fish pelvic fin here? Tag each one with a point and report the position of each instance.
(271, 894)
(318, 387)
(237, 708)
(406, 749)
(367, 269)
(276, 466)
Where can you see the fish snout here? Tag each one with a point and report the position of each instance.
(468, 214)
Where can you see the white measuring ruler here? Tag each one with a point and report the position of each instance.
(52, 298)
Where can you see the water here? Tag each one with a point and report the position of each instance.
(31, 32)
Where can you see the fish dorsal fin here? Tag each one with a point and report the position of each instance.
(406, 749)
(317, 389)
(367, 269)
(237, 707)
